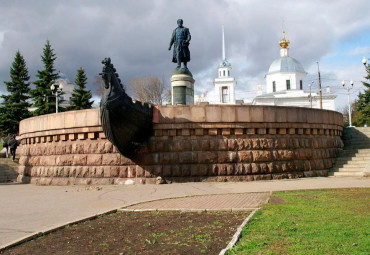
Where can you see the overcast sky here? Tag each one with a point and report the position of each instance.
(136, 34)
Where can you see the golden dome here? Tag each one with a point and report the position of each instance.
(284, 43)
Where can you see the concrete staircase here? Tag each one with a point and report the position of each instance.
(8, 170)
(355, 158)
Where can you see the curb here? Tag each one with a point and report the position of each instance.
(238, 233)
(188, 210)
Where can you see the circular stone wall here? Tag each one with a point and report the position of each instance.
(190, 143)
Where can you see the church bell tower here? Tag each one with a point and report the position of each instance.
(224, 83)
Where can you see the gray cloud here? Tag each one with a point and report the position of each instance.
(135, 34)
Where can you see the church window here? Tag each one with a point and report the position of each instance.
(300, 84)
(273, 86)
(287, 84)
(224, 73)
(225, 94)
(228, 72)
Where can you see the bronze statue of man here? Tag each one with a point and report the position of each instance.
(180, 38)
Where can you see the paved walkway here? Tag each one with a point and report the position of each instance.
(240, 201)
(27, 209)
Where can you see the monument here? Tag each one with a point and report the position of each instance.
(182, 82)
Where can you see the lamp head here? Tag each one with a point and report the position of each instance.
(364, 60)
(52, 87)
(343, 83)
(352, 83)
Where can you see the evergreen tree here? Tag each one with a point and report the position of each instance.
(362, 114)
(42, 96)
(15, 105)
(81, 97)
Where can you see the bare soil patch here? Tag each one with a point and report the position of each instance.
(277, 200)
(141, 233)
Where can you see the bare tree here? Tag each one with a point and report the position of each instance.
(149, 89)
(99, 83)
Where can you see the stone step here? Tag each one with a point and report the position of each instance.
(346, 169)
(346, 174)
(356, 159)
(350, 164)
(356, 147)
(356, 151)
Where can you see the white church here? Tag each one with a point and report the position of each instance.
(284, 84)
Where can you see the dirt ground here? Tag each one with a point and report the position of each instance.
(141, 233)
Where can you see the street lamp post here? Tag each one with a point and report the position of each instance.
(56, 89)
(349, 101)
(310, 93)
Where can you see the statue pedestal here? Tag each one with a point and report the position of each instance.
(182, 89)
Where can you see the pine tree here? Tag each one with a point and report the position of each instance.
(42, 96)
(362, 115)
(81, 97)
(15, 105)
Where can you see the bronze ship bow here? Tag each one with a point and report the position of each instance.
(127, 124)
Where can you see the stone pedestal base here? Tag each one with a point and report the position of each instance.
(182, 89)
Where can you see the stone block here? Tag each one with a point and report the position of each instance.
(94, 159)
(272, 131)
(226, 156)
(72, 137)
(176, 171)
(269, 114)
(207, 157)
(245, 156)
(228, 114)
(262, 156)
(256, 113)
(198, 113)
(187, 157)
(240, 144)
(77, 148)
(108, 147)
(64, 160)
(213, 114)
(172, 132)
(166, 171)
(261, 131)
(131, 171)
(282, 131)
(226, 131)
(111, 159)
(182, 114)
(232, 144)
(166, 114)
(212, 131)
(251, 131)
(92, 135)
(242, 114)
(79, 160)
(255, 168)
(281, 114)
(199, 131)
(222, 144)
(238, 131)
(185, 132)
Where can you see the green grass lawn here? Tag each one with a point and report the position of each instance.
(333, 221)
